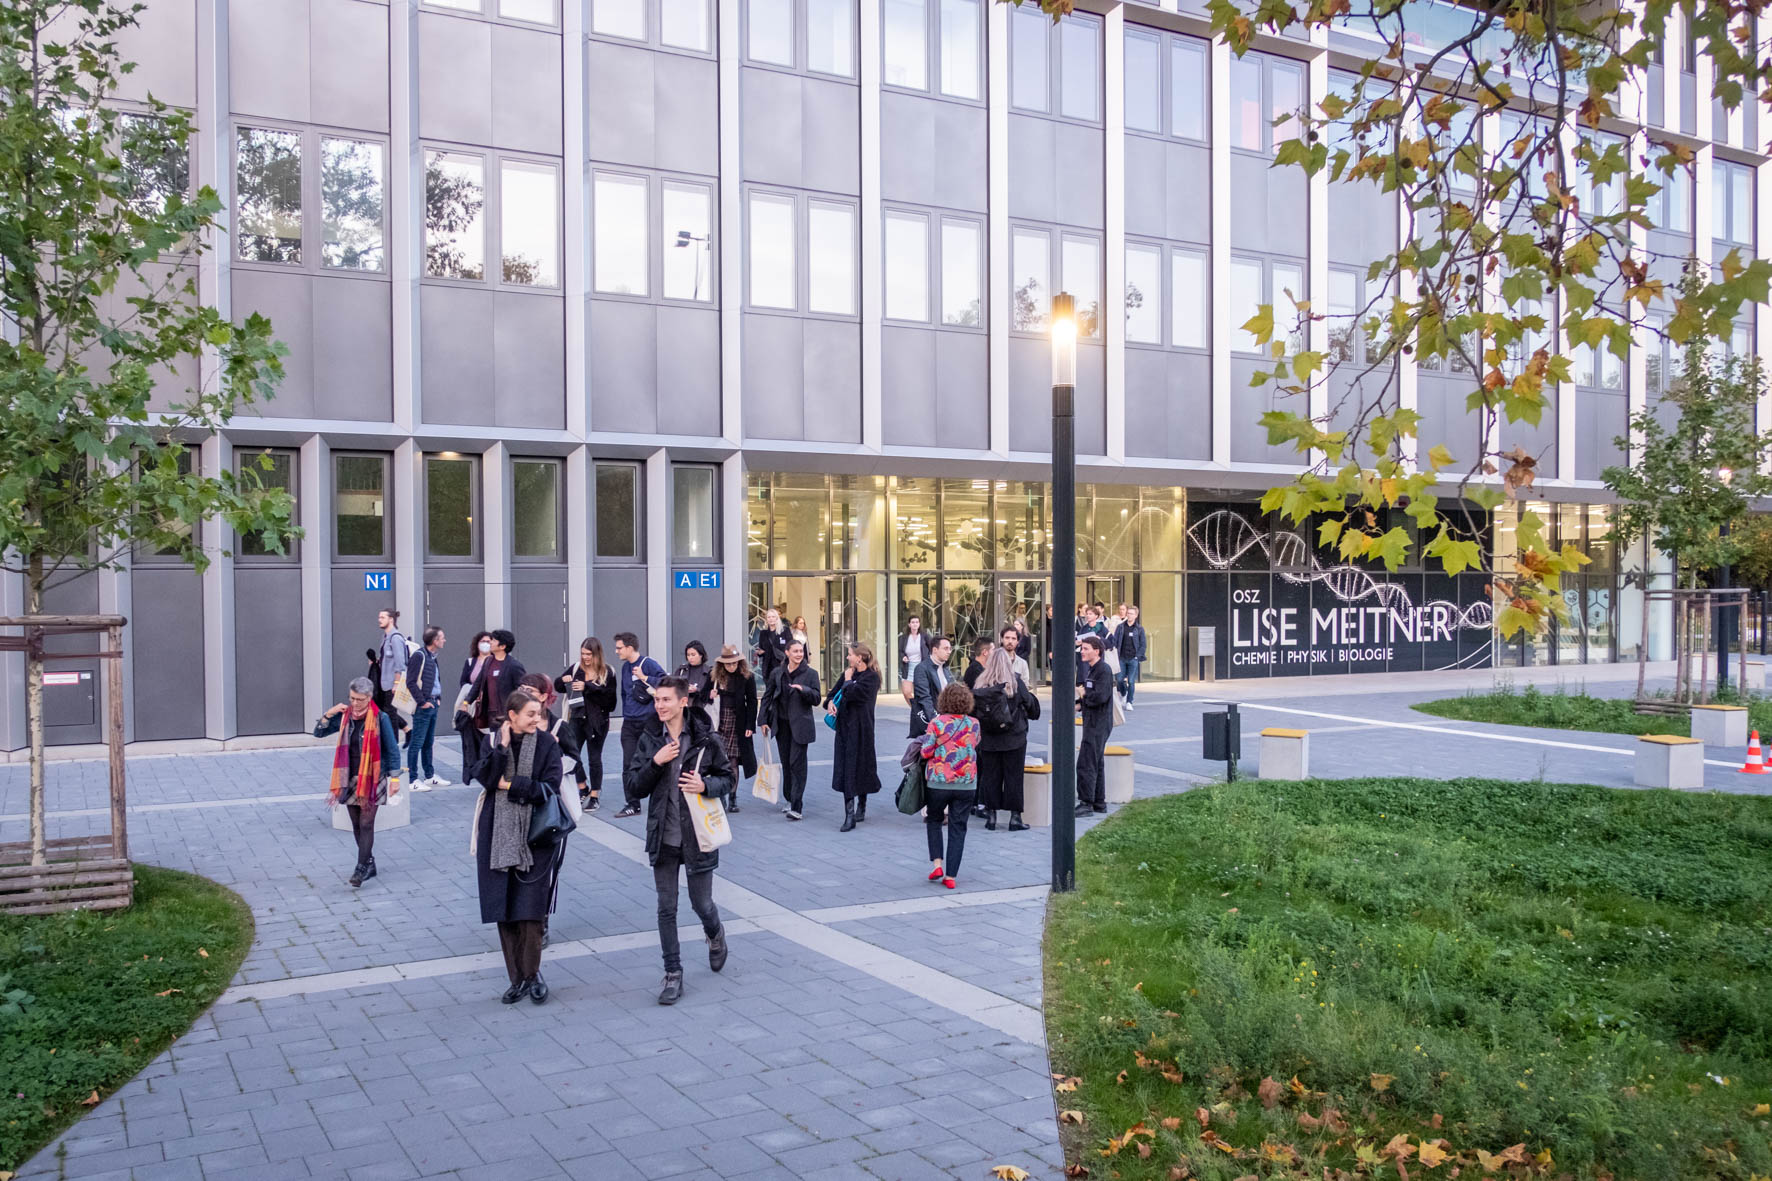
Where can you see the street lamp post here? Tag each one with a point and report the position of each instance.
(1064, 593)
(1725, 475)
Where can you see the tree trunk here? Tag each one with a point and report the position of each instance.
(34, 709)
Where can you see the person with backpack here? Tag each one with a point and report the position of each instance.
(1003, 705)
(950, 758)
(387, 665)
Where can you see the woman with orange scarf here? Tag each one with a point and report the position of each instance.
(361, 779)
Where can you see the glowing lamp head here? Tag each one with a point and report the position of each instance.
(1064, 339)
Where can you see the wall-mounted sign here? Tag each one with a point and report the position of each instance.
(698, 580)
(378, 580)
(52, 679)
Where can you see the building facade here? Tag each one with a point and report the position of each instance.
(641, 315)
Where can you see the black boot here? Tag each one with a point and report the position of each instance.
(369, 869)
(357, 876)
(1015, 823)
(861, 809)
(717, 949)
(848, 814)
(990, 820)
(538, 989)
(672, 992)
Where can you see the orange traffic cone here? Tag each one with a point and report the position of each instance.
(1756, 758)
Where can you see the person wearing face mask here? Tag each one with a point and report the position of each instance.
(365, 767)
(516, 879)
(473, 743)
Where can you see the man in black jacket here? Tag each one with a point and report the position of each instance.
(1131, 638)
(932, 677)
(682, 758)
(1095, 696)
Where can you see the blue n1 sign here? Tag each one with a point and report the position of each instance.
(377, 580)
(698, 580)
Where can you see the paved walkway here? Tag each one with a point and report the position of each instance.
(867, 1026)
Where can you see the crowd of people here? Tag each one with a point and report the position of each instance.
(689, 740)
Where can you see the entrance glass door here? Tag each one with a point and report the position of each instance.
(965, 612)
(840, 612)
(1025, 599)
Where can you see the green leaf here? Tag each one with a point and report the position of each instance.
(1261, 324)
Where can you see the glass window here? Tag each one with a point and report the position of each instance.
(1031, 253)
(1081, 260)
(1188, 294)
(535, 508)
(959, 48)
(687, 242)
(1288, 84)
(619, 18)
(1344, 302)
(772, 31)
(906, 49)
(272, 469)
(351, 204)
(455, 202)
(1187, 89)
(830, 37)
(961, 263)
(618, 234)
(449, 507)
(1079, 67)
(1741, 205)
(1671, 208)
(685, 24)
(540, 12)
(966, 525)
(268, 173)
(692, 512)
(830, 258)
(915, 526)
(772, 250)
(1245, 300)
(460, 5)
(1028, 59)
(1288, 293)
(618, 510)
(154, 167)
(1144, 81)
(907, 266)
(1246, 127)
(528, 215)
(359, 489)
(1144, 293)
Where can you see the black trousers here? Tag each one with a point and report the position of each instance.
(630, 741)
(945, 806)
(793, 769)
(701, 898)
(364, 832)
(521, 943)
(1091, 775)
(1000, 778)
(591, 764)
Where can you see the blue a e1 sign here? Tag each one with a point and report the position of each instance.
(698, 580)
(378, 580)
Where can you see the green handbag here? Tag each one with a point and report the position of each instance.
(913, 788)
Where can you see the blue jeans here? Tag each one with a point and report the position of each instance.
(420, 741)
(1129, 678)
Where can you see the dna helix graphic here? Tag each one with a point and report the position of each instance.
(1223, 537)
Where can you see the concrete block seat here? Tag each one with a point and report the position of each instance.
(1117, 768)
(1720, 725)
(1670, 760)
(1285, 754)
(1036, 795)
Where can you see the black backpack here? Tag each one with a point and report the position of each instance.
(1000, 712)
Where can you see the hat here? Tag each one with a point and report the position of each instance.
(729, 655)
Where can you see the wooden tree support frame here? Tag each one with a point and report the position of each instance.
(1697, 614)
(87, 872)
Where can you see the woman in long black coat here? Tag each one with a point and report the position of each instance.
(786, 713)
(733, 692)
(519, 895)
(854, 770)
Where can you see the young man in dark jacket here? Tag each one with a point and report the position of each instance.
(681, 758)
(1131, 639)
(639, 676)
(1095, 697)
(425, 680)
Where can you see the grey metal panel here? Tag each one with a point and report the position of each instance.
(1655, 91)
(830, 155)
(1168, 404)
(1249, 203)
(1440, 398)
(1288, 211)
(538, 617)
(1030, 394)
(1147, 187)
(623, 365)
(268, 72)
(620, 96)
(455, 600)
(774, 377)
(1688, 103)
(1079, 179)
(163, 46)
(287, 299)
(1033, 186)
(832, 380)
(684, 99)
(454, 78)
(1248, 439)
(1091, 403)
(526, 85)
(1601, 416)
(353, 622)
(963, 388)
(456, 352)
(353, 362)
(960, 144)
(349, 40)
(688, 370)
(696, 615)
(618, 602)
(1190, 193)
(166, 622)
(908, 166)
(909, 416)
(267, 650)
(769, 103)
(529, 359)
(75, 713)
(1364, 221)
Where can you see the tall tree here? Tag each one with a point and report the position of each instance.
(111, 368)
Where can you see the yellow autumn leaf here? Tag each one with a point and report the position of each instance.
(202, 953)
(1009, 1173)
(1759, 1109)
(1432, 1154)
(1382, 1082)
(1069, 1084)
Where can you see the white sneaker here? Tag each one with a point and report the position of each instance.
(1128, 707)
(421, 785)
(439, 781)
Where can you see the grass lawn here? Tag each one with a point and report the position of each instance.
(104, 992)
(1274, 979)
(1575, 711)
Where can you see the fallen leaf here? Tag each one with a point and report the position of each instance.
(1399, 1147)
(1139, 987)
(1298, 1088)
(91, 1100)
(1076, 1171)
(1069, 1084)
(1178, 1173)
(1514, 1154)
(1204, 1116)
(1173, 1076)
(1544, 1158)
(1144, 1150)
(1269, 1090)
(1490, 1162)
(1431, 1154)
(1009, 1173)
(1762, 1109)
(1565, 932)
(1172, 1123)
(1071, 1116)
(1309, 1122)
(1382, 1082)
(1120, 1078)
(202, 953)
(169, 992)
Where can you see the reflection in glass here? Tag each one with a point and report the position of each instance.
(1031, 252)
(1081, 260)
(907, 266)
(268, 173)
(1114, 527)
(351, 204)
(1144, 294)
(618, 502)
(618, 233)
(796, 513)
(1162, 529)
(455, 231)
(858, 518)
(830, 258)
(830, 37)
(915, 525)
(449, 507)
(540, 12)
(1245, 302)
(772, 250)
(1741, 205)
(1144, 81)
(688, 261)
(959, 48)
(684, 24)
(535, 508)
(966, 525)
(358, 505)
(1344, 305)
(619, 18)
(1246, 126)
(692, 512)
(1028, 57)
(1288, 84)
(1023, 526)
(961, 290)
(272, 469)
(1189, 293)
(905, 48)
(1187, 89)
(155, 165)
(1288, 294)
(772, 31)
(528, 217)
(1079, 63)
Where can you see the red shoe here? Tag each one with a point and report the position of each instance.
(935, 874)
(948, 882)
